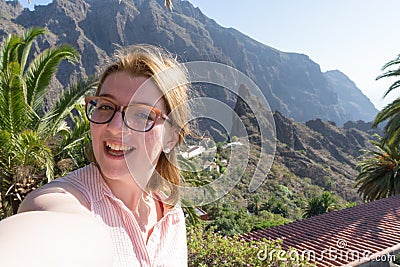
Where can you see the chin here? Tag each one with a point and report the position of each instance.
(112, 170)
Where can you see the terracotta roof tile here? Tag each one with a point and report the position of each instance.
(343, 237)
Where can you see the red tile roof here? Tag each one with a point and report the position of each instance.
(345, 237)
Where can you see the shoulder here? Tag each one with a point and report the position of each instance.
(175, 216)
(67, 194)
(168, 210)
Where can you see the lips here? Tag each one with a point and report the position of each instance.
(117, 150)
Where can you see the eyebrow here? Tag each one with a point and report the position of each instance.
(130, 103)
(107, 95)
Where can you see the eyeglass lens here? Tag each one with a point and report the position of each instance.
(137, 117)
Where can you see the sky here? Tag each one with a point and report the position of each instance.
(356, 37)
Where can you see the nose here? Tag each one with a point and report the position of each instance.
(116, 125)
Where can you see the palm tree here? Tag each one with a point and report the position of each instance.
(31, 138)
(379, 175)
(391, 112)
(255, 204)
(191, 176)
(319, 205)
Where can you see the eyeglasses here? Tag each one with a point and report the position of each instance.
(138, 117)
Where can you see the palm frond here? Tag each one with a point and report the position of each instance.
(31, 150)
(9, 51)
(78, 135)
(27, 39)
(42, 69)
(391, 63)
(395, 85)
(5, 148)
(387, 112)
(190, 212)
(15, 114)
(392, 129)
(378, 175)
(389, 73)
(50, 124)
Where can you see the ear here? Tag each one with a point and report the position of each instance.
(171, 138)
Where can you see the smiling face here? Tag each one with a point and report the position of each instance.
(122, 153)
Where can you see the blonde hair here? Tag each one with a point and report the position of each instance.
(171, 78)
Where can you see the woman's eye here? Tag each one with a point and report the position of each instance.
(143, 116)
(105, 107)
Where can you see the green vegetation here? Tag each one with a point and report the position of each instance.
(35, 140)
(320, 205)
(392, 111)
(231, 220)
(283, 198)
(379, 172)
(210, 248)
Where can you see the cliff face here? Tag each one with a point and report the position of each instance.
(316, 152)
(350, 98)
(322, 152)
(292, 83)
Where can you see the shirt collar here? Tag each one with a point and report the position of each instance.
(102, 189)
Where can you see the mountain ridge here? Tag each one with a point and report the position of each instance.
(292, 83)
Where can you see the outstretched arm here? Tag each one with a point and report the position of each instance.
(47, 239)
(54, 227)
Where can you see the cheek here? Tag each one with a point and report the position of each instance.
(153, 142)
(95, 131)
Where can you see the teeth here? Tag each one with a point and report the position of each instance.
(119, 147)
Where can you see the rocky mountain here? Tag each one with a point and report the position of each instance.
(350, 98)
(310, 157)
(292, 83)
(322, 152)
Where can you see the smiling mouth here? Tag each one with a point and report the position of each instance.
(118, 150)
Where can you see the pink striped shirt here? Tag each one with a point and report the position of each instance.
(166, 245)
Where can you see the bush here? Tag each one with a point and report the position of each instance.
(207, 248)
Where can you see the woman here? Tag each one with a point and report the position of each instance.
(137, 116)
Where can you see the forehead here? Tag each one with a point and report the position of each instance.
(125, 88)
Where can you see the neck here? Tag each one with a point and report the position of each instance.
(130, 197)
(145, 209)
(126, 189)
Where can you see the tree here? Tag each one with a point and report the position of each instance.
(379, 175)
(228, 219)
(391, 112)
(210, 248)
(276, 205)
(31, 139)
(254, 204)
(192, 176)
(319, 205)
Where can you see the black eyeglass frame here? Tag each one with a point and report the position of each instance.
(159, 114)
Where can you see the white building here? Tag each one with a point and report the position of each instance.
(193, 152)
